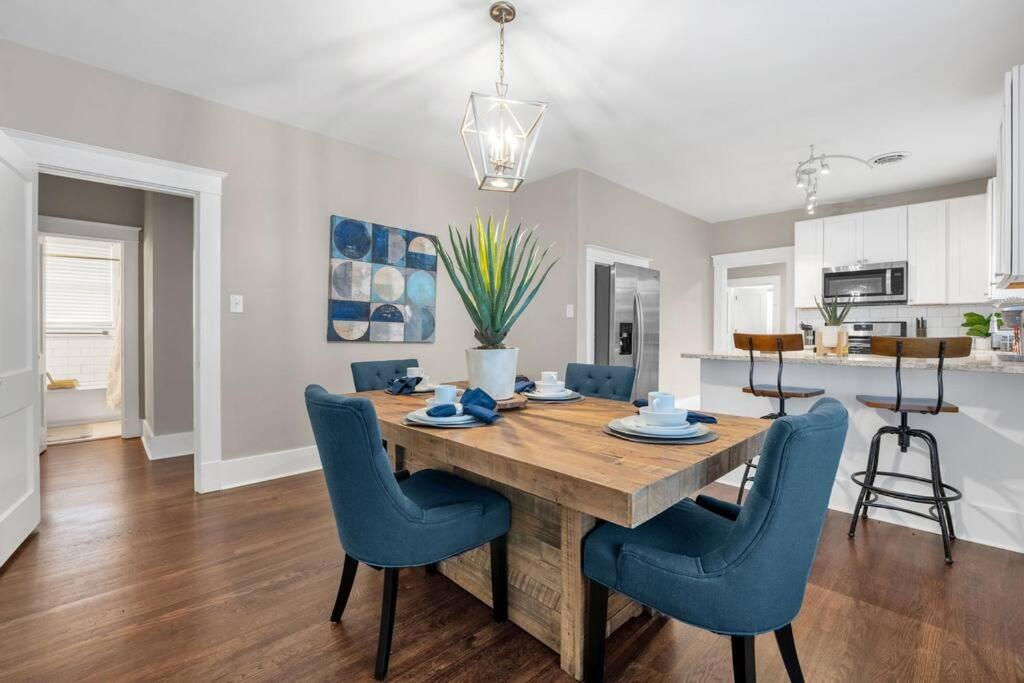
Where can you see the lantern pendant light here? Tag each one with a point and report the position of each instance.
(500, 133)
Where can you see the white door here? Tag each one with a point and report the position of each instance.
(926, 253)
(752, 309)
(19, 375)
(884, 235)
(842, 241)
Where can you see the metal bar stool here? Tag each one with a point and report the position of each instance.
(941, 494)
(768, 343)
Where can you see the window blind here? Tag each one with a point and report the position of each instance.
(79, 284)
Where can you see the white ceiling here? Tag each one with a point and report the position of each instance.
(705, 106)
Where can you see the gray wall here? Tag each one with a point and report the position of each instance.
(578, 208)
(167, 313)
(776, 229)
(88, 201)
(282, 186)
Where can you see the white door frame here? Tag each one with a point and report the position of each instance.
(128, 236)
(773, 281)
(594, 254)
(76, 160)
(760, 257)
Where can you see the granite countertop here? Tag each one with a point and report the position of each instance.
(978, 361)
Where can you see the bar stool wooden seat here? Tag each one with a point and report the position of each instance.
(770, 343)
(941, 494)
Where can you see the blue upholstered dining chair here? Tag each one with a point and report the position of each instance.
(371, 375)
(737, 571)
(390, 520)
(603, 381)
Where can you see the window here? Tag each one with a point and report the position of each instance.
(80, 281)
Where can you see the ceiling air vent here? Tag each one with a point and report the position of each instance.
(888, 158)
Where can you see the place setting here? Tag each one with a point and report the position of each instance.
(659, 421)
(548, 389)
(415, 381)
(452, 408)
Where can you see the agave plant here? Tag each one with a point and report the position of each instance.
(496, 272)
(832, 311)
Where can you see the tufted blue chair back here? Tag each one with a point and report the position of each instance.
(754, 580)
(603, 381)
(375, 374)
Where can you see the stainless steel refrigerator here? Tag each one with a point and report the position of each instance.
(627, 303)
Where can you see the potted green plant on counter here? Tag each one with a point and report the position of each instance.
(497, 273)
(982, 326)
(831, 335)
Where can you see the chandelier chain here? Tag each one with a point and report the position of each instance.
(501, 50)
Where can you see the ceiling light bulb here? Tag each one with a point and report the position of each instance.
(825, 168)
(800, 182)
(498, 182)
(811, 198)
(810, 208)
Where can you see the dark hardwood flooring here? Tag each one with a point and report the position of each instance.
(132, 576)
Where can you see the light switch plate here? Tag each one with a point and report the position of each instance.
(236, 303)
(570, 311)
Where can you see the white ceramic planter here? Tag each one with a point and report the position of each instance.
(493, 370)
(830, 335)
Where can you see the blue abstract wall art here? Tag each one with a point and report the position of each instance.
(383, 283)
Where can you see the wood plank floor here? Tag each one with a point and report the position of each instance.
(133, 576)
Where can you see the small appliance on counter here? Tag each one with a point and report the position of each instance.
(867, 283)
(1010, 333)
(860, 333)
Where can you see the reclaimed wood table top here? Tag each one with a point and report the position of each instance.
(559, 452)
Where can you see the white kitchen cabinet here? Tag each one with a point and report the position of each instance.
(878, 236)
(884, 235)
(841, 240)
(968, 250)
(807, 256)
(927, 253)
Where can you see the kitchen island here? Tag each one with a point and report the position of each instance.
(981, 447)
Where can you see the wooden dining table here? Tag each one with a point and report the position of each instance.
(562, 475)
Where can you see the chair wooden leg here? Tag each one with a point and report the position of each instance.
(348, 577)
(387, 622)
(593, 638)
(787, 648)
(499, 578)
(743, 668)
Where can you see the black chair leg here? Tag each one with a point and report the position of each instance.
(787, 648)
(937, 475)
(939, 493)
(348, 577)
(593, 639)
(387, 622)
(743, 668)
(499, 579)
(743, 483)
(869, 479)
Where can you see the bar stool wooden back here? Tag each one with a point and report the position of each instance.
(770, 343)
(939, 348)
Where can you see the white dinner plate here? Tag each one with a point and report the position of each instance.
(422, 417)
(550, 396)
(631, 425)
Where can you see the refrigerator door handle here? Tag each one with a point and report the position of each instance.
(639, 331)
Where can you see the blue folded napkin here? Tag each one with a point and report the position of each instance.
(640, 403)
(525, 384)
(402, 385)
(475, 402)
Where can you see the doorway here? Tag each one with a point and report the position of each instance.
(88, 304)
(754, 304)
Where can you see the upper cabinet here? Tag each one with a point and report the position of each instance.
(1007, 192)
(945, 244)
(927, 253)
(867, 237)
(884, 235)
(967, 254)
(808, 250)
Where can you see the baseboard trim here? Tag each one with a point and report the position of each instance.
(163, 446)
(265, 466)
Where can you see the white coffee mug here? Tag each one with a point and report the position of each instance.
(661, 401)
(445, 393)
(414, 372)
(549, 376)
